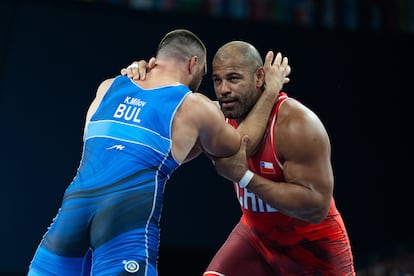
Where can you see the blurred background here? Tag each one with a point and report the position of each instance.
(352, 63)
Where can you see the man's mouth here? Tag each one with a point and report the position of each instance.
(227, 104)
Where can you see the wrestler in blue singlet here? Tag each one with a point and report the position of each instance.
(108, 223)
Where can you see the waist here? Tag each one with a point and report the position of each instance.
(287, 230)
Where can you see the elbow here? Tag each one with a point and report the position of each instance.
(318, 216)
(312, 215)
(319, 209)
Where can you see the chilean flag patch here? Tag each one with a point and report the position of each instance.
(266, 167)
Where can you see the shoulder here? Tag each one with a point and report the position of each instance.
(200, 97)
(200, 103)
(298, 127)
(104, 85)
(294, 114)
(102, 89)
(201, 111)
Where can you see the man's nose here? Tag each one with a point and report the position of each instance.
(224, 88)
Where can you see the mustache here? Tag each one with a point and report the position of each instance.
(226, 99)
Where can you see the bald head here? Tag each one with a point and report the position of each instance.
(242, 52)
(238, 78)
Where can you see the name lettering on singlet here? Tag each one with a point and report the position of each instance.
(134, 101)
(250, 201)
(129, 109)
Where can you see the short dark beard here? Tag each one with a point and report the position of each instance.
(237, 115)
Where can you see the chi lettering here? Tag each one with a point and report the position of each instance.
(250, 201)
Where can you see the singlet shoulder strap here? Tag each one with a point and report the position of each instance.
(281, 99)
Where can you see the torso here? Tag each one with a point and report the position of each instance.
(133, 138)
(260, 216)
(113, 205)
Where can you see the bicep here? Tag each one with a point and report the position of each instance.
(217, 138)
(305, 148)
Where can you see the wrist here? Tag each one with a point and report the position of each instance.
(271, 94)
(246, 178)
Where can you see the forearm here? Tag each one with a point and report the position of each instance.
(291, 199)
(275, 71)
(255, 123)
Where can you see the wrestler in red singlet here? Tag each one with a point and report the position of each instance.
(266, 242)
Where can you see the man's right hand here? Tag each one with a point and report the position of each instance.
(138, 69)
(277, 70)
(233, 167)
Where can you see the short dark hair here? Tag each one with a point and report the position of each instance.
(182, 44)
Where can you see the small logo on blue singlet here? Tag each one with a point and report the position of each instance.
(117, 147)
(131, 266)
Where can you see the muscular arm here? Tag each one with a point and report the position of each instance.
(199, 126)
(304, 146)
(216, 137)
(255, 123)
(274, 74)
(304, 149)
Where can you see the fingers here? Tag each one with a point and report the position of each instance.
(138, 69)
(278, 59)
(286, 66)
(281, 62)
(141, 71)
(285, 62)
(269, 59)
(136, 73)
(124, 71)
(143, 67)
(287, 70)
(130, 71)
(127, 71)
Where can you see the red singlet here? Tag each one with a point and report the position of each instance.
(266, 242)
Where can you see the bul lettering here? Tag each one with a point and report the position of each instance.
(128, 112)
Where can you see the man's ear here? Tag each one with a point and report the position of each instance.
(260, 76)
(192, 65)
